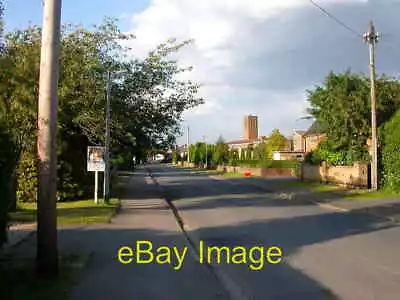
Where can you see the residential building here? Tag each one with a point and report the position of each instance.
(299, 144)
(313, 137)
(288, 155)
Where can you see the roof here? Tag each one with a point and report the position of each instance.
(315, 128)
(238, 142)
(300, 132)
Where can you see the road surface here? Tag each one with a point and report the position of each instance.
(327, 254)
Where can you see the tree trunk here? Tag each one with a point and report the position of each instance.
(12, 206)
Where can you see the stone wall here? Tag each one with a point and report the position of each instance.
(356, 175)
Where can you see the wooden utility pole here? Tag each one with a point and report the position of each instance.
(47, 251)
(371, 37)
(187, 145)
(106, 189)
(205, 142)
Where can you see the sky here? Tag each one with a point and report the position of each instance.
(251, 56)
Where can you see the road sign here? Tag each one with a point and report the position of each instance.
(95, 159)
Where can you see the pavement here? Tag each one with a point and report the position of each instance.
(16, 234)
(328, 253)
(144, 216)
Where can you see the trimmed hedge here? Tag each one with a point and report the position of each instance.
(266, 163)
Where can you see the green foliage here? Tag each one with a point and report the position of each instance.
(276, 142)
(284, 164)
(342, 106)
(7, 166)
(265, 149)
(175, 157)
(332, 155)
(27, 179)
(391, 154)
(253, 163)
(221, 152)
(147, 101)
(1, 20)
(261, 151)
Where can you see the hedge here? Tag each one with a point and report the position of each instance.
(7, 166)
(390, 159)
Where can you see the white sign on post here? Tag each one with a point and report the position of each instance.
(95, 163)
(95, 159)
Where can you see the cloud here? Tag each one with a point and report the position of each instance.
(260, 56)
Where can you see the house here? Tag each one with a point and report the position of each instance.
(299, 141)
(246, 143)
(302, 142)
(288, 155)
(313, 137)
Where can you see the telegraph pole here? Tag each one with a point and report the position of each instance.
(187, 145)
(47, 251)
(204, 138)
(371, 37)
(106, 189)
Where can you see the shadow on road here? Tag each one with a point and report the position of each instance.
(109, 279)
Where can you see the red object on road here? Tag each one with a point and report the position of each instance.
(247, 174)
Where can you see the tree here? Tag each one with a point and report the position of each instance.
(261, 151)
(342, 106)
(275, 142)
(147, 101)
(221, 152)
(1, 20)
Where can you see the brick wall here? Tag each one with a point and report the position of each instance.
(356, 175)
(261, 172)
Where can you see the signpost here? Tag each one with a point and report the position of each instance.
(96, 163)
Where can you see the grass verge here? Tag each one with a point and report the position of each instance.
(313, 186)
(70, 213)
(18, 280)
(233, 174)
(346, 193)
(370, 195)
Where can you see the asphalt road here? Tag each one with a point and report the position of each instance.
(327, 254)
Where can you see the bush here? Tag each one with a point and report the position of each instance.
(336, 156)
(175, 157)
(7, 167)
(390, 160)
(27, 178)
(313, 158)
(290, 164)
